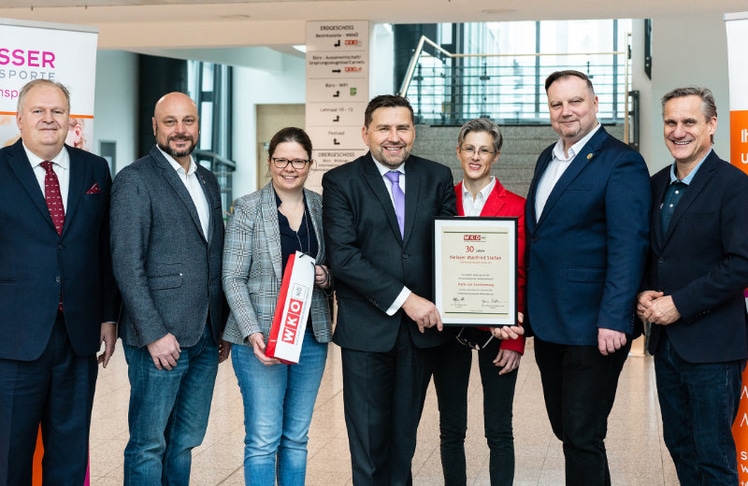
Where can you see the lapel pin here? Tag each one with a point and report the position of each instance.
(590, 155)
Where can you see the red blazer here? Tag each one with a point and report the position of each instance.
(505, 203)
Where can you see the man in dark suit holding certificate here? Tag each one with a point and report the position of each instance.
(378, 212)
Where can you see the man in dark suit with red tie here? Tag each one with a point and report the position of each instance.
(58, 299)
(379, 248)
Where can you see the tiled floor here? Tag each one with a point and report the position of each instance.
(635, 449)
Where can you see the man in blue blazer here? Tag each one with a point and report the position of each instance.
(697, 270)
(587, 223)
(58, 300)
(167, 245)
(387, 323)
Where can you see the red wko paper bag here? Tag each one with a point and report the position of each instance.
(292, 311)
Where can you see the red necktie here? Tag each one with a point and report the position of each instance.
(53, 197)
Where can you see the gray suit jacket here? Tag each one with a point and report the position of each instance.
(169, 274)
(252, 266)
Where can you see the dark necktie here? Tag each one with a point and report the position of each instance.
(53, 197)
(398, 197)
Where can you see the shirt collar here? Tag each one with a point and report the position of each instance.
(687, 180)
(61, 160)
(177, 166)
(558, 149)
(483, 192)
(383, 169)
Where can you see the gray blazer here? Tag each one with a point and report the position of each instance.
(167, 271)
(252, 266)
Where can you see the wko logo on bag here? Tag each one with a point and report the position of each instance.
(292, 311)
(291, 324)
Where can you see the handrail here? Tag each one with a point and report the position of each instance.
(442, 54)
(216, 157)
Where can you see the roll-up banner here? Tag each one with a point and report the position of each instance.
(62, 53)
(737, 60)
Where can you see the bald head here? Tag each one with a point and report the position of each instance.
(176, 127)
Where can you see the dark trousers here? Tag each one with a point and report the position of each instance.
(579, 386)
(451, 374)
(383, 395)
(57, 391)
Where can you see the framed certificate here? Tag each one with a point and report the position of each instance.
(475, 271)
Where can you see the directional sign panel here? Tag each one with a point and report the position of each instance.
(337, 92)
(334, 114)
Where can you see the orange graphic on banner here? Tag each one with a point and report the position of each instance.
(38, 454)
(739, 139)
(740, 432)
(36, 476)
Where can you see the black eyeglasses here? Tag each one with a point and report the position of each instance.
(297, 164)
(474, 338)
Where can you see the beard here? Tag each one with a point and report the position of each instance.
(178, 153)
(393, 162)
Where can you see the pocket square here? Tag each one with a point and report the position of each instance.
(95, 189)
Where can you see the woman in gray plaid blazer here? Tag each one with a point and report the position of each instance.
(265, 228)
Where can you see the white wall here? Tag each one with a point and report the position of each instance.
(285, 83)
(687, 51)
(643, 84)
(115, 106)
(381, 61)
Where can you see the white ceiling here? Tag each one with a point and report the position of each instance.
(140, 24)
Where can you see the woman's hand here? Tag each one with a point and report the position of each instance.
(258, 344)
(322, 277)
(510, 332)
(507, 360)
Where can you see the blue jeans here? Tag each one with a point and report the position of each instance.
(168, 412)
(278, 405)
(699, 402)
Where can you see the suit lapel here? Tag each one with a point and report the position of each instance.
(660, 185)
(315, 213)
(210, 197)
(172, 178)
(695, 188)
(495, 201)
(543, 161)
(458, 197)
(269, 211)
(585, 156)
(76, 188)
(21, 166)
(412, 194)
(375, 182)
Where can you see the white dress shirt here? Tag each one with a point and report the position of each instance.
(473, 207)
(383, 169)
(61, 166)
(556, 168)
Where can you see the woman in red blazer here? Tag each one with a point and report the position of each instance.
(481, 194)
